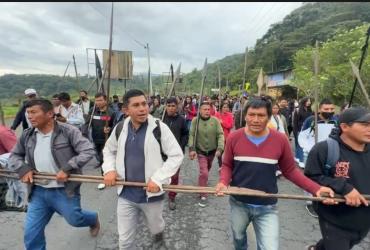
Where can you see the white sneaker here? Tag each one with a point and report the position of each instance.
(301, 164)
(278, 173)
(202, 202)
(101, 186)
(296, 160)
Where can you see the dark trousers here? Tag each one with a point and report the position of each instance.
(99, 149)
(336, 238)
(174, 181)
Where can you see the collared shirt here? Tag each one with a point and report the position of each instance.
(85, 106)
(73, 114)
(135, 164)
(44, 161)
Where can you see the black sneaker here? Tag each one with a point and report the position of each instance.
(311, 211)
(158, 242)
(171, 204)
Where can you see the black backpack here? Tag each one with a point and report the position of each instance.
(156, 132)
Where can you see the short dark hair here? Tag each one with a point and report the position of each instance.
(204, 103)
(101, 94)
(45, 104)
(325, 101)
(115, 96)
(82, 90)
(259, 102)
(131, 93)
(55, 96)
(171, 100)
(64, 96)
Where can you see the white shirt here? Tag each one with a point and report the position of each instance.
(73, 114)
(44, 161)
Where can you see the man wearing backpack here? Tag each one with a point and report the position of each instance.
(325, 116)
(135, 154)
(344, 225)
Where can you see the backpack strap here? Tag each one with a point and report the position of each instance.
(119, 128)
(157, 134)
(332, 155)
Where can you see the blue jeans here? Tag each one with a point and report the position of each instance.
(44, 202)
(188, 124)
(265, 221)
(298, 151)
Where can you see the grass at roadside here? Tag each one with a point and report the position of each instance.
(10, 111)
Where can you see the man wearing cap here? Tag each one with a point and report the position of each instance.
(346, 224)
(21, 116)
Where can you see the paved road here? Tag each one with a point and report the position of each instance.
(188, 227)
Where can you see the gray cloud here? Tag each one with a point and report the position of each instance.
(41, 37)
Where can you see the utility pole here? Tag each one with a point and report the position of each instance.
(150, 85)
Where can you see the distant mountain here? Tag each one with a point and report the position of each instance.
(275, 50)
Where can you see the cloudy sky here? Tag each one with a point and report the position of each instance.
(42, 37)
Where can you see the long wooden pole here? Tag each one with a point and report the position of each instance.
(219, 89)
(204, 76)
(64, 75)
(42, 178)
(110, 53)
(77, 80)
(244, 80)
(356, 72)
(174, 80)
(316, 62)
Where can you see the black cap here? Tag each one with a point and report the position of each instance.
(352, 115)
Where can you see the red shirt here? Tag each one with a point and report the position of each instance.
(7, 140)
(227, 122)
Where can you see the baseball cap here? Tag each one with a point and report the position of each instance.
(28, 92)
(357, 114)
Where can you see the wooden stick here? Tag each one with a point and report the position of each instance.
(176, 188)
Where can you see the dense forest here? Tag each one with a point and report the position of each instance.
(285, 45)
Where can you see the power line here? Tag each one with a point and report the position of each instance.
(106, 18)
(263, 21)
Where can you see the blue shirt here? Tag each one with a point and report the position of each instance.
(135, 165)
(257, 140)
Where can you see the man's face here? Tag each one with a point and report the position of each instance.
(283, 103)
(83, 95)
(38, 117)
(358, 132)
(66, 104)
(100, 102)
(138, 109)
(55, 101)
(205, 111)
(171, 109)
(327, 108)
(115, 99)
(256, 119)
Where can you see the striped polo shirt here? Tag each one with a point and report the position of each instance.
(248, 165)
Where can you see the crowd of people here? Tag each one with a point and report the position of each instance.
(144, 139)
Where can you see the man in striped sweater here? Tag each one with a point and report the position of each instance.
(252, 156)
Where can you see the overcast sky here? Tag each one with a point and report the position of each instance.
(42, 37)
